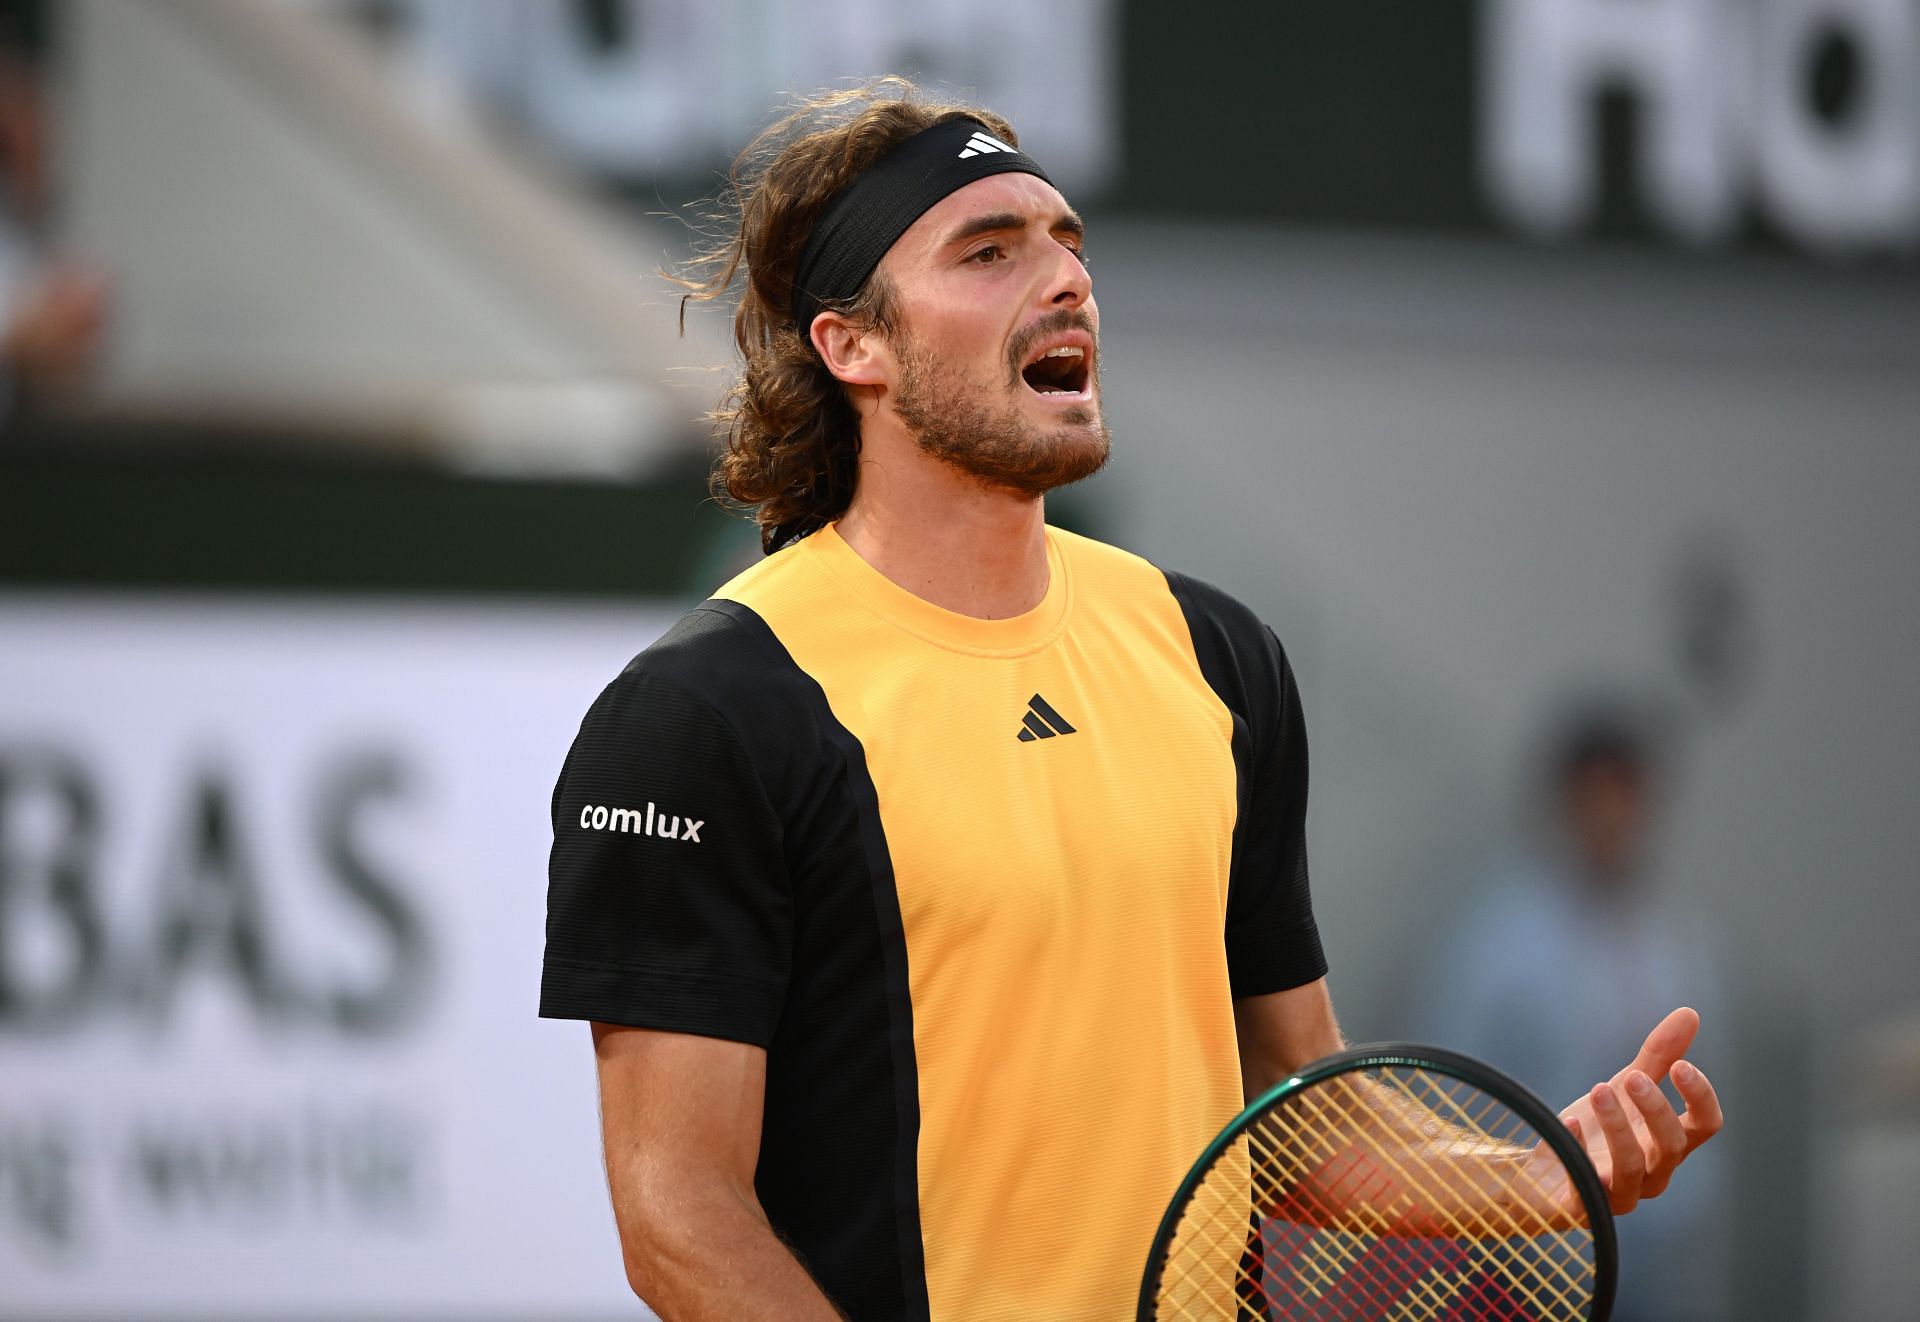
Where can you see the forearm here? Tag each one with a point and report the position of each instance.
(1354, 1153)
(1362, 1155)
(1282, 1032)
(711, 1255)
(681, 1119)
(1395, 1122)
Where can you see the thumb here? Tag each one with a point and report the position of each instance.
(1667, 1043)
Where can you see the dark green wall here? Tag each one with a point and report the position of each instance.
(160, 510)
(156, 506)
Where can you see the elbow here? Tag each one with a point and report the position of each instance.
(668, 1241)
(641, 1281)
(653, 1276)
(650, 1256)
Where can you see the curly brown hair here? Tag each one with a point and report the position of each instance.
(792, 440)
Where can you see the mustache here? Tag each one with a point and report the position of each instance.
(1060, 319)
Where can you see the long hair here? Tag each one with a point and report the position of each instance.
(791, 437)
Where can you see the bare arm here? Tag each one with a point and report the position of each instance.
(1630, 1130)
(1281, 1032)
(680, 1116)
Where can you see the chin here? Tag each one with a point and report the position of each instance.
(1077, 454)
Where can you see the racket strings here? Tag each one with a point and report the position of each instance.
(1474, 1207)
(1473, 1217)
(1337, 1275)
(1331, 1274)
(1360, 1203)
(1419, 1267)
(1558, 1236)
(1540, 1221)
(1326, 1264)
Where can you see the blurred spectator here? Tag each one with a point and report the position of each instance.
(1562, 960)
(53, 310)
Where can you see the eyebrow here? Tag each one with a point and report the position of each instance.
(1006, 220)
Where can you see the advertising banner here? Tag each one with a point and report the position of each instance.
(272, 892)
(1785, 124)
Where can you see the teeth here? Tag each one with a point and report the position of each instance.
(1064, 351)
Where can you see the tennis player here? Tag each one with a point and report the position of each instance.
(938, 888)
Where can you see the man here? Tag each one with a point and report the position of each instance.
(54, 311)
(1561, 959)
(938, 888)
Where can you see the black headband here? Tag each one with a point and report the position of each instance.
(867, 216)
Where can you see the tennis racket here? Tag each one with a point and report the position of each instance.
(1387, 1182)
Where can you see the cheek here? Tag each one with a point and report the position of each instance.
(964, 325)
(973, 345)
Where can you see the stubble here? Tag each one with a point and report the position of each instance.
(998, 445)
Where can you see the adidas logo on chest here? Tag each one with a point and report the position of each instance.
(1041, 721)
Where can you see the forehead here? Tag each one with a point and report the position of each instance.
(1026, 196)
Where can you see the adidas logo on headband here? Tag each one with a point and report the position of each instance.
(982, 143)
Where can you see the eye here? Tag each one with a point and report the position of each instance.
(988, 255)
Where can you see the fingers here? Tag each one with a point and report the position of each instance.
(1554, 1178)
(1667, 1043)
(1668, 1139)
(1703, 1119)
(1646, 1138)
(1626, 1159)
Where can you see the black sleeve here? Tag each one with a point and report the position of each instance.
(1272, 941)
(668, 902)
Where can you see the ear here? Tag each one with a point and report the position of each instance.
(856, 355)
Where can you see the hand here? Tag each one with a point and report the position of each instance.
(1629, 1128)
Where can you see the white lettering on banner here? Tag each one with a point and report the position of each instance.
(1726, 114)
(676, 85)
(1858, 185)
(634, 822)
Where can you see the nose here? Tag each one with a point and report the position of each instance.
(1070, 283)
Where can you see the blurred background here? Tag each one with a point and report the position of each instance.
(1547, 372)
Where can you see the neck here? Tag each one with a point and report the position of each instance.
(946, 538)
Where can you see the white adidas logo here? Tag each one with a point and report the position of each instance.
(982, 143)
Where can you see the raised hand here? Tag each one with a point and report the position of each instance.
(1630, 1130)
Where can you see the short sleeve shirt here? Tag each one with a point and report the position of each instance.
(984, 890)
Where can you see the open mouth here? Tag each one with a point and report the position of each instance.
(1061, 370)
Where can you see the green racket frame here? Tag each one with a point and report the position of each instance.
(1515, 1096)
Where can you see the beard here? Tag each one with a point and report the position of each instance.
(951, 419)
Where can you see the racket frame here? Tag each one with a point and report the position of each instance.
(1510, 1092)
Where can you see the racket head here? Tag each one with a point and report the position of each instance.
(1286, 1268)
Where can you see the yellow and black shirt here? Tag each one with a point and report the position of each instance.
(985, 890)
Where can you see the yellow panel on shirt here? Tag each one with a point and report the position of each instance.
(1063, 901)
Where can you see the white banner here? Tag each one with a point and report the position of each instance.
(272, 895)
